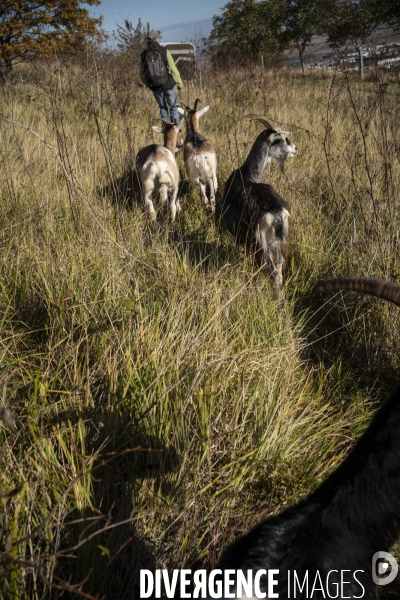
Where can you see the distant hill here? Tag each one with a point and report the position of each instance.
(184, 32)
(321, 53)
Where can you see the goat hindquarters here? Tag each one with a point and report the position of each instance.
(201, 168)
(271, 234)
(163, 177)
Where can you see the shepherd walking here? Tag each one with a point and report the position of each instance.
(159, 73)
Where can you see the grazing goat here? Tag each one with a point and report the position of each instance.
(331, 538)
(254, 212)
(199, 156)
(158, 170)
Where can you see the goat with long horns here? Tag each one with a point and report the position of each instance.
(254, 213)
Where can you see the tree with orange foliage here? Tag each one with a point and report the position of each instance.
(33, 29)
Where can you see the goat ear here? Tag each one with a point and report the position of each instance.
(182, 111)
(201, 112)
(179, 125)
(158, 129)
(285, 133)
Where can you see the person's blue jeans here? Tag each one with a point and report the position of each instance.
(167, 100)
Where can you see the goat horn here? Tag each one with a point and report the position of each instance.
(267, 122)
(388, 290)
(196, 103)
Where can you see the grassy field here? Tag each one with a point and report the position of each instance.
(165, 400)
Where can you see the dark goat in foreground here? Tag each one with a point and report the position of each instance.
(351, 516)
(254, 212)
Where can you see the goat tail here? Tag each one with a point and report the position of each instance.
(215, 182)
(387, 290)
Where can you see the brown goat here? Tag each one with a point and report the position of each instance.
(158, 170)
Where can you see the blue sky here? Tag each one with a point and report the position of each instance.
(159, 13)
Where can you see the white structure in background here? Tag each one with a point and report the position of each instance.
(184, 55)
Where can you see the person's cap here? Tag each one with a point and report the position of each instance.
(153, 34)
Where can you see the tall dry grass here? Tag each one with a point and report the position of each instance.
(165, 400)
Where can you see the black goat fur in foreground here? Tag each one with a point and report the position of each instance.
(341, 525)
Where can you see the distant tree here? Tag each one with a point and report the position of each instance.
(352, 22)
(248, 30)
(302, 22)
(391, 10)
(31, 29)
(130, 39)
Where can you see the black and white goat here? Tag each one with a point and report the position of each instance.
(254, 212)
(199, 156)
(158, 170)
(331, 539)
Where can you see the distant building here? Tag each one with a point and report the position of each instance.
(184, 55)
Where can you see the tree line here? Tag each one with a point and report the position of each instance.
(254, 30)
(33, 29)
(245, 31)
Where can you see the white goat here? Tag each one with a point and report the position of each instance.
(158, 170)
(254, 212)
(199, 156)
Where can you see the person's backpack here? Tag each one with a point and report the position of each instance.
(155, 70)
